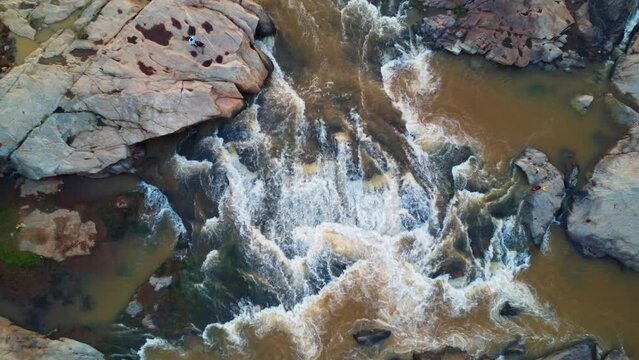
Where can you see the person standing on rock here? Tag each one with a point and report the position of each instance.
(197, 44)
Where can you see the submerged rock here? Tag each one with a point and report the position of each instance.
(585, 350)
(604, 220)
(626, 75)
(620, 112)
(371, 337)
(616, 355)
(581, 103)
(448, 353)
(126, 75)
(539, 207)
(39, 187)
(57, 235)
(17, 343)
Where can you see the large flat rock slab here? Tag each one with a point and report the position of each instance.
(605, 221)
(123, 74)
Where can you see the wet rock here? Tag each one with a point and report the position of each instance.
(538, 208)
(571, 60)
(134, 308)
(603, 221)
(509, 310)
(19, 344)
(616, 355)
(149, 322)
(448, 353)
(371, 337)
(585, 350)
(160, 282)
(569, 168)
(581, 103)
(608, 19)
(620, 112)
(505, 31)
(35, 188)
(129, 78)
(56, 235)
(626, 77)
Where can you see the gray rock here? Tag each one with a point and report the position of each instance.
(160, 282)
(605, 221)
(19, 344)
(538, 208)
(581, 103)
(585, 350)
(134, 308)
(626, 76)
(620, 112)
(131, 77)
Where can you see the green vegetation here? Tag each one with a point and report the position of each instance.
(3, 8)
(9, 254)
(13, 257)
(36, 23)
(460, 10)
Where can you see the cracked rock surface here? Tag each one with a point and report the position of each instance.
(124, 73)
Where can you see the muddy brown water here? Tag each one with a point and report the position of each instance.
(500, 110)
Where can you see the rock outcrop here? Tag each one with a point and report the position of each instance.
(626, 75)
(124, 74)
(371, 337)
(521, 32)
(544, 198)
(604, 219)
(17, 343)
(57, 235)
(621, 113)
(505, 31)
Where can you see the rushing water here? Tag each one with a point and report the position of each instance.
(368, 185)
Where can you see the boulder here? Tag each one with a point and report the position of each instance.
(621, 113)
(56, 235)
(625, 77)
(17, 343)
(509, 32)
(585, 350)
(371, 337)
(581, 103)
(603, 220)
(544, 198)
(125, 74)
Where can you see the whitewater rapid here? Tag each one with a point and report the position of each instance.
(321, 235)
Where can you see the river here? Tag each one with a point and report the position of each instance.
(368, 185)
